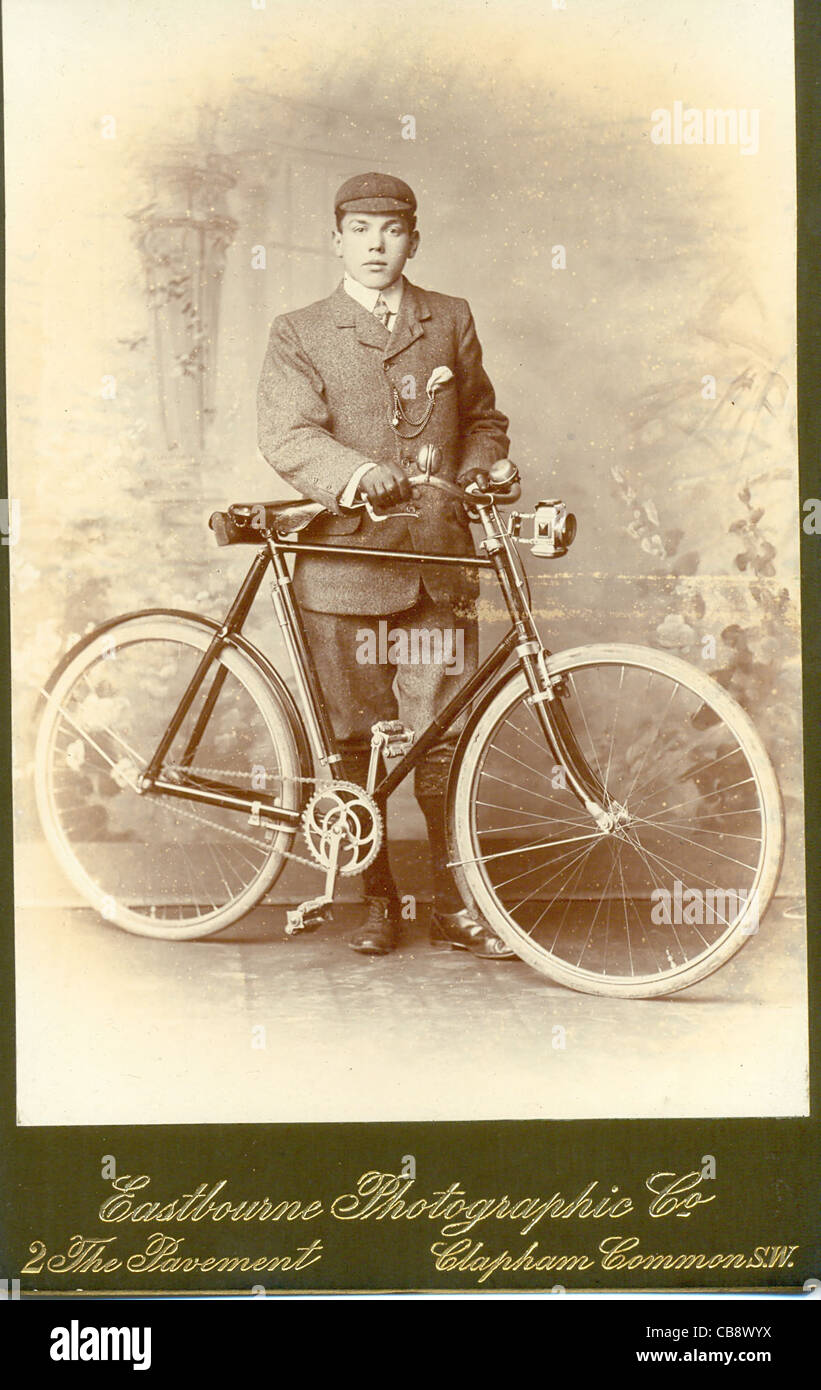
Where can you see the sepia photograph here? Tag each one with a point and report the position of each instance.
(403, 530)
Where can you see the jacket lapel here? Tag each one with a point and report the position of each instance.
(408, 327)
(413, 311)
(348, 314)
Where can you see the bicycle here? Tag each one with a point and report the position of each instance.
(596, 797)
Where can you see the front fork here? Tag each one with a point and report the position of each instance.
(545, 698)
(546, 702)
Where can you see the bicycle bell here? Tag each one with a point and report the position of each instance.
(554, 528)
(503, 472)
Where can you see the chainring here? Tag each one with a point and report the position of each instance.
(351, 806)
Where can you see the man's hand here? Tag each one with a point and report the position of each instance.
(385, 486)
(474, 475)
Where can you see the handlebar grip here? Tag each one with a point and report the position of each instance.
(511, 493)
(470, 494)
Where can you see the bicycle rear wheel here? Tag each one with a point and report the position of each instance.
(663, 898)
(154, 864)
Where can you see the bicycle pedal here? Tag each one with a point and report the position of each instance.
(307, 917)
(392, 737)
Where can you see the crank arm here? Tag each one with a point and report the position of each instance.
(311, 915)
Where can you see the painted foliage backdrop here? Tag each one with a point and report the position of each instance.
(634, 300)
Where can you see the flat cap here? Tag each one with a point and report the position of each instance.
(374, 193)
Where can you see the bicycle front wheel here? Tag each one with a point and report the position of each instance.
(678, 885)
(154, 864)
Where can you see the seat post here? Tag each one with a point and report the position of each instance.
(240, 608)
(317, 719)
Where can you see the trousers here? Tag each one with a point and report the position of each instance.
(406, 666)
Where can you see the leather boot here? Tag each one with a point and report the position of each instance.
(380, 932)
(462, 932)
(451, 923)
(381, 929)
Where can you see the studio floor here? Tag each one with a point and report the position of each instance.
(252, 1026)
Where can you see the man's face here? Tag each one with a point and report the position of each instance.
(374, 247)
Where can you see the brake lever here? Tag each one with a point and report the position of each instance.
(416, 480)
(472, 495)
(385, 516)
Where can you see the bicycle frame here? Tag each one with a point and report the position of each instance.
(522, 639)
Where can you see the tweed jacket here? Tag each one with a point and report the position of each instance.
(324, 408)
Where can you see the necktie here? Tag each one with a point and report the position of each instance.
(381, 311)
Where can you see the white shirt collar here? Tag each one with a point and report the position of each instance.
(367, 297)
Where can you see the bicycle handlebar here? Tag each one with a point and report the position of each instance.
(470, 496)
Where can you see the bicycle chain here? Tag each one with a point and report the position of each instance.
(229, 772)
(240, 834)
(313, 863)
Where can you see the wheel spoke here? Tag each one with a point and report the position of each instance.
(540, 796)
(586, 900)
(666, 864)
(668, 809)
(186, 859)
(587, 728)
(690, 776)
(170, 865)
(696, 829)
(571, 855)
(731, 859)
(613, 733)
(84, 734)
(522, 825)
(640, 850)
(626, 919)
(523, 849)
(529, 767)
(602, 899)
(577, 873)
(652, 744)
(213, 854)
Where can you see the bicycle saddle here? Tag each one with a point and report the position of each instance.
(245, 523)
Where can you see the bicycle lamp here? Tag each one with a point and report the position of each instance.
(554, 529)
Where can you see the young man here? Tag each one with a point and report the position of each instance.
(340, 403)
